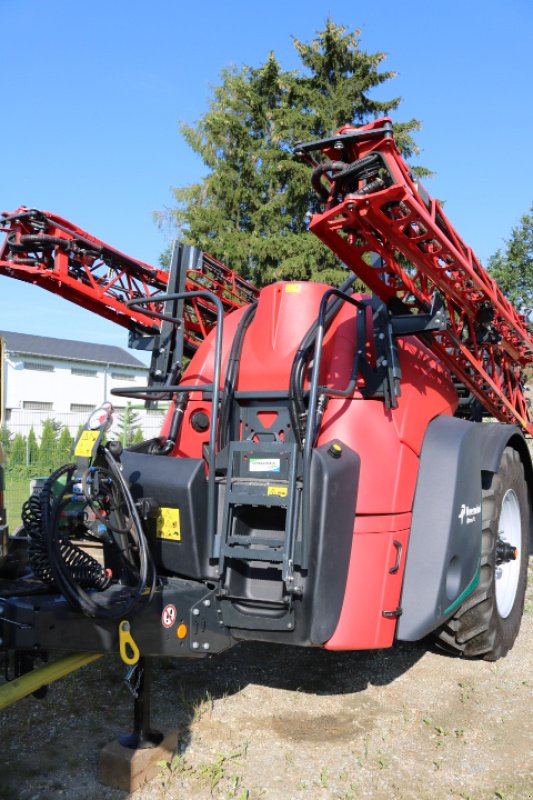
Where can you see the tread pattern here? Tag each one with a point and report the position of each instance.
(476, 630)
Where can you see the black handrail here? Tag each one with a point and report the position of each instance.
(310, 429)
(214, 387)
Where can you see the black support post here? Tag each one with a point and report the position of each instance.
(143, 737)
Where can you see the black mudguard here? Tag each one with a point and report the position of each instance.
(443, 557)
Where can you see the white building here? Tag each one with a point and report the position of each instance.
(46, 377)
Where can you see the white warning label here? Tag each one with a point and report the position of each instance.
(265, 465)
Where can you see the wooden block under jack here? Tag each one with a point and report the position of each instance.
(123, 768)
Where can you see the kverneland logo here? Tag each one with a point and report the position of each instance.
(469, 513)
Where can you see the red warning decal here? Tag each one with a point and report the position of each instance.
(168, 617)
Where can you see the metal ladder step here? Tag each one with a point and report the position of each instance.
(259, 505)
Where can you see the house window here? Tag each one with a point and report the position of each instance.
(36, 405)
(122, 376)
(40, 366)
(81, 407)
(87, 373)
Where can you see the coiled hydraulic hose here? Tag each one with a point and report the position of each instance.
(55, 560)
(83, 569)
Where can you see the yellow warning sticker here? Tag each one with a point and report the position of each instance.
(85, 445)
(293, 288)
(168, 524)
(277, 491)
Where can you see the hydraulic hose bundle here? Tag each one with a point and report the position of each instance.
(343, 176)
(55, 560)
(298, 405)
(83, 568)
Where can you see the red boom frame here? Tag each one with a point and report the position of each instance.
(48, 251)
(375, 207)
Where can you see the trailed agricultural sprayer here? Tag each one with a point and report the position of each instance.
(325, 476)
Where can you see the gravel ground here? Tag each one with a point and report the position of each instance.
(279, 723)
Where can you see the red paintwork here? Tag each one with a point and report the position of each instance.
(389, 444)
(284, 314)
(402, 217)
(370, 590)
(388, 441)
(70, 262)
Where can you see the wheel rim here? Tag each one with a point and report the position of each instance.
(507, 574)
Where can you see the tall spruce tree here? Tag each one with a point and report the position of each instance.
(33, 447)
(128, 423)
(5, 441)
(251, 209)
(64, 444)
(512, 268)
(17, 457)
(48, 446)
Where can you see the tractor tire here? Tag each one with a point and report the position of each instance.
(487, 623)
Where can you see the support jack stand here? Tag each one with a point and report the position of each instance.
(134, 759)
(139, 681)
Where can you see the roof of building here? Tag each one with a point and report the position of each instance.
(66, 349)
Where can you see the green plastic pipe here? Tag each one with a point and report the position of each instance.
(21, 687)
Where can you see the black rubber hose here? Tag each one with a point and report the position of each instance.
(232, 371)
(83, 569)
(297, 405)
(175, 427)
(68, 586)
(358, 169)
(104, 519)
(322, 169)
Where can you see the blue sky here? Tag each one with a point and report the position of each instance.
(93, 93)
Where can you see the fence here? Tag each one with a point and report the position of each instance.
(34, 444)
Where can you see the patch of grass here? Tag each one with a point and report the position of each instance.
(16, 493)
(467, 692)
(235, 786)
(176, 766)
(205, 706)
(215, 772)
(520, 789)
(195, 705)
